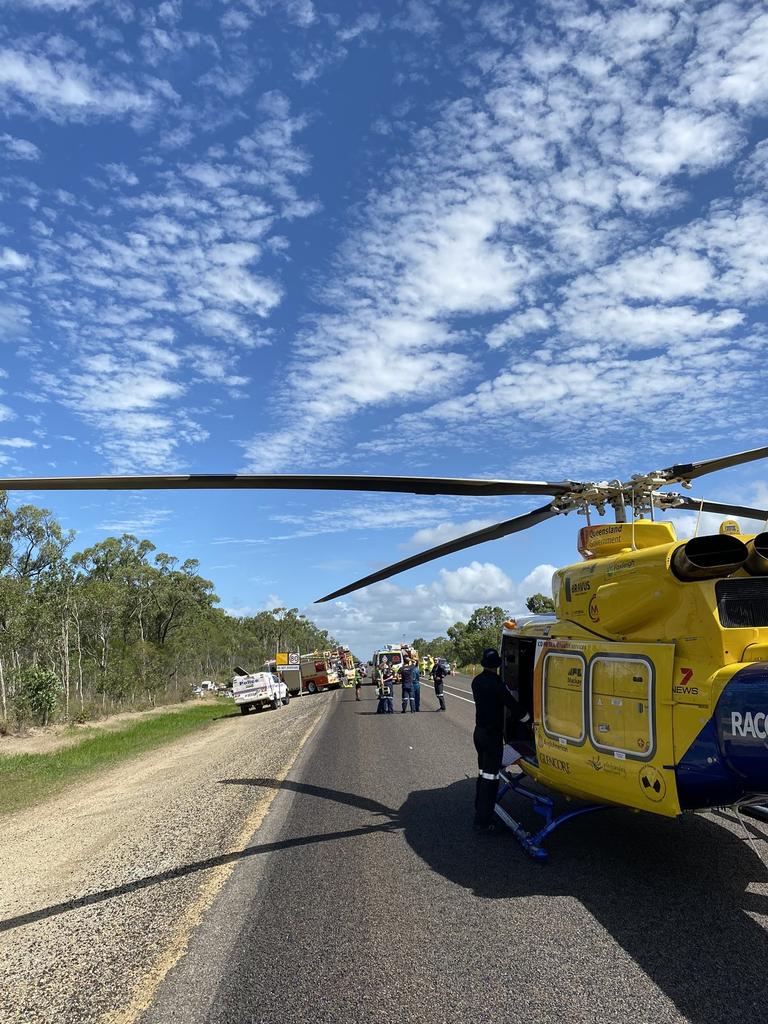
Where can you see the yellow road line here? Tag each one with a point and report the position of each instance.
(193, 915)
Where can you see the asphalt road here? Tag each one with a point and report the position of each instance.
(365, 896)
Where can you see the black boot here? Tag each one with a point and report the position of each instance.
(486, 801)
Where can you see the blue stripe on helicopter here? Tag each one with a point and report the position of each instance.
(728, 760)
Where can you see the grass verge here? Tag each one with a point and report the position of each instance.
(27, 778)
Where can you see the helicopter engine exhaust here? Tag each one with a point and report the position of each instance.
(707, 558)
(757, 559)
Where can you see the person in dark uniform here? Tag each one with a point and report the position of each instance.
(491, 697)
(406, 678)
(438, 675)
(416, 681)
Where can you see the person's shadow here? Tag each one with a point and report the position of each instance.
(673, 893)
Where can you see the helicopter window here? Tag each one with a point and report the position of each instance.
(621, 705)
(563, 676)
(742, 602)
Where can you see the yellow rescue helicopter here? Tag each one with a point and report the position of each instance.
(648, 687)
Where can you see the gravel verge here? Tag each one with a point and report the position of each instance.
(102, 884)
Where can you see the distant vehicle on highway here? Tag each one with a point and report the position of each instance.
(205, 687)
(318, 672)
(446, 665)
(257, 690)
(394, 655)
(290, 675)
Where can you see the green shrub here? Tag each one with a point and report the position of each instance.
(36, 695)
(86, 713)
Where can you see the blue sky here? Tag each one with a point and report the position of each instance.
(450, 238)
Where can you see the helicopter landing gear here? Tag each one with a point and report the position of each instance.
(543, 805)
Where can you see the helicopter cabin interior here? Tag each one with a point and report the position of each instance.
(518, 660)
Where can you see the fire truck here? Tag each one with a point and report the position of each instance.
(318, 672)
(346, 664)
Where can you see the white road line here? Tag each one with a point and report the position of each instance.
(454, 694)
(454, 687)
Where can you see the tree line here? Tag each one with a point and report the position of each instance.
(466, 641)
(117, 625)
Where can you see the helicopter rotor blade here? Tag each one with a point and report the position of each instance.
(691, 470)
(720, 508)
(310, 482)
(469, 540)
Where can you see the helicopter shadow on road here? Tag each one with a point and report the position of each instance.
(673, 893)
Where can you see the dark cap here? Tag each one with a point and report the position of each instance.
(490, 658)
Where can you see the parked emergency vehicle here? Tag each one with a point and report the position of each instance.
(257, 690)
(346, 664)
(290, 675)
(395, 655)
(318, 673)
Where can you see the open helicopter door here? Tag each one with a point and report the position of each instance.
(603, 721)
(518, 659)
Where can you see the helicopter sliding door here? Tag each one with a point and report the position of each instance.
(518, 657)
(603, 721)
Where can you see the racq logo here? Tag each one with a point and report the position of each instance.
(749, 724)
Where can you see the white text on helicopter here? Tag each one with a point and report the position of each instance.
(749, 724)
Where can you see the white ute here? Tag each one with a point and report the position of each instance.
(258, 690)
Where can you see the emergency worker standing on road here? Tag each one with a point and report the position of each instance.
(491, 697)
(416, 683)
(438, 675)
(388, 687)
(406, 678)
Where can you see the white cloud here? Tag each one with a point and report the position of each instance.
(16, 442)
(646, 326)
(136, 516)
(685, 523)
(419, 17)
(12, 260)
(431, 536)
(557, 171)
(119, 174)
(530, 321)
(301, 12)
(730, 64)
(681, 140)
(369, 21)
(165, 278)
(235, 22)
(388, 612)
(18, 149)
(66, 89)
(562, 390)
(53, 5)
(14, 321)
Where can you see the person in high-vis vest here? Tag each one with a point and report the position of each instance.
(491, 697)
